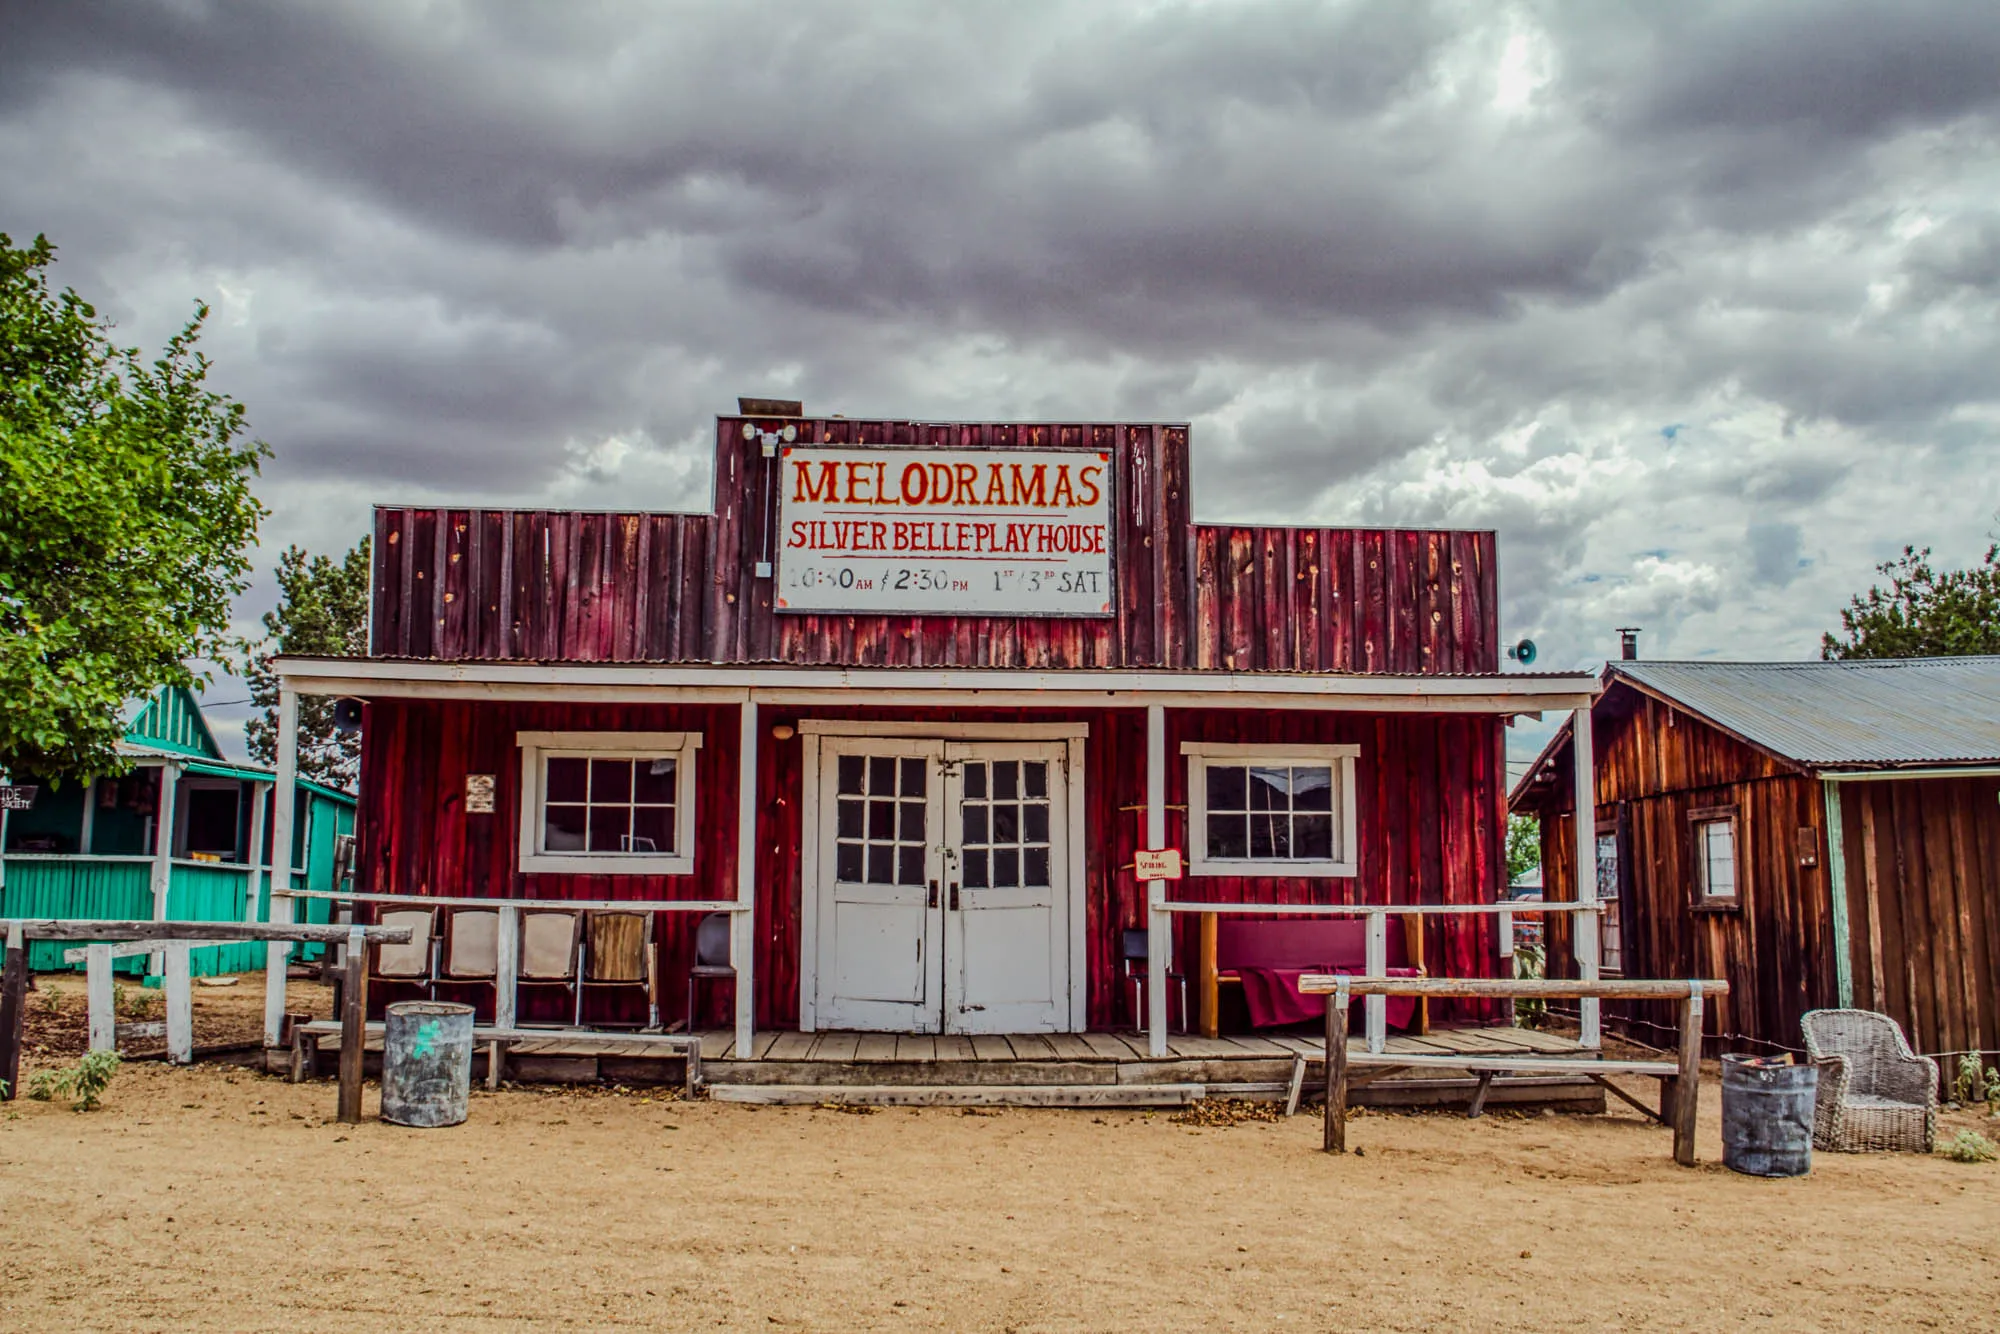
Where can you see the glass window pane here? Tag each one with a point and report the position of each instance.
(653, 781)
(849, 824)
(1721, 845)
(1035, 866)
(562, 828)
(1263, 834)
(1006, 868)
(1607, 866)
(1006, 778)
(910, 867)
(566, 780)
(881, 864)
(1035, 824)
(881, 776)
(975, 868)
(975, 824)
(609, 825)
(882, 820)
(1312, 789)
(1227, 838)
(850, 775)
(847, 862)
(610, 780)
(1007, 824)
(913, 778)
(912, 827)
(1314, 835)
(975, 780)
(1034, 778)
(1227, 787)
(1270, 789)
(652, 829)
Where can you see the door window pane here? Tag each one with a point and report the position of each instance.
(1005, 821)
(850, 774)
(881, 823)
(913, 778)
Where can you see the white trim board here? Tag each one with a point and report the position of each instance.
(947, 731)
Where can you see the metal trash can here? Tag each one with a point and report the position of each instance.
(1767, 1115)
(426, 1063)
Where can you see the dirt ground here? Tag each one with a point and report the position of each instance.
(217, 1199)
(226, 1013)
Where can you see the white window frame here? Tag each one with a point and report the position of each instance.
(1698, 821)
(1346, 827)
(1611, 920)
(538, 747)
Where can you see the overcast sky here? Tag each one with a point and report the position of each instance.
(1694, 303)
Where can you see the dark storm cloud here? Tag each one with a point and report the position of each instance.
(1409, 262)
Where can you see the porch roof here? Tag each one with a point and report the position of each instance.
(784, 684)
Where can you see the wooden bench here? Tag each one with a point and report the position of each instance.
(308, 1037)
(1338, 943)
(1680, 1080)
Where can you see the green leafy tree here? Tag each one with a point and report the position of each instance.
(1524, 845)
(1922, 613)
(126, 524)
(322, 611)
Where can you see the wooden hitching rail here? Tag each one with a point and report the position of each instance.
(1680, 1080)
(14, 977)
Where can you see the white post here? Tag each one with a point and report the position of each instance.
(1376, 957)
(506, 997)
(97, 987)
(1159, 924)
(254, 855)
(283, 793)
(1504, 926)
(163, 855)
(86, 833)
(1584, 932)
(179, 988)
(743, 923)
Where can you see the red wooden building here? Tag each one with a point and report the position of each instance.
(906, 703)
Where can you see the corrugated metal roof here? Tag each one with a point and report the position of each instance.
(1829, 714)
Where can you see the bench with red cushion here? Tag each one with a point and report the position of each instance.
(1266, 958)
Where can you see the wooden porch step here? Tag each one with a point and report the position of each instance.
(960, 1095)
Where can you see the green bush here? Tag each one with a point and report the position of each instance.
(1970, 1146)
(83, 1083)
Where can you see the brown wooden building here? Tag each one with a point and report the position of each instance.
(1820, 834)
(905, 704)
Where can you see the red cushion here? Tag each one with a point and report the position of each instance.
(1301, 942)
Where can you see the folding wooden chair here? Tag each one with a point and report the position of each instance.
(414, 964)
(619, 953)
(550, 940)
(471, 950)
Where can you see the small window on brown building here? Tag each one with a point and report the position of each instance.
(1716, 877)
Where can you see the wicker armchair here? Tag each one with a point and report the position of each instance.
(1874, 1093)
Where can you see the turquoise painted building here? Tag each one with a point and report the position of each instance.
(183, 835)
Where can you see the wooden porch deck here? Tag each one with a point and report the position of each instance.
(840, 1047)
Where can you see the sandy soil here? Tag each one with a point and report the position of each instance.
(216, 1199)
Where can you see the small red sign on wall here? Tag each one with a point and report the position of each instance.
(1165, 864)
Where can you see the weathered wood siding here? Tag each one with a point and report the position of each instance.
(1430, 800)
(1655, 765)
(1923, 907)
(559, 585)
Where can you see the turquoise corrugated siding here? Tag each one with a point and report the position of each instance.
(213, 894)
(75, 887)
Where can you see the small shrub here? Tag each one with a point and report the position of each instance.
(1969, 1146)
(83, 1083)
(132, 1002)
(1976, 1081)
(49, 1001)
(1531, 1011)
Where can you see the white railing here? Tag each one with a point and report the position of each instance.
(1376, 962)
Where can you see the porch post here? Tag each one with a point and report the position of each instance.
(743, 923)
(259, 868)
(1585, 931)
(85, 830)
(163, 857)
(283, 792)
(1159, 924)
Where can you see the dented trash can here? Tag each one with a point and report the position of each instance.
(1767, 1115)
(426, 1063)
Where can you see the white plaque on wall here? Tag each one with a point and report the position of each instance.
(922, 531)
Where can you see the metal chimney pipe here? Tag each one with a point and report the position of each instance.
(1628, 642)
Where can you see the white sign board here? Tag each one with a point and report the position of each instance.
(1163, 864)
(963, 532)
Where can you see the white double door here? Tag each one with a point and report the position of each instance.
(943, 888)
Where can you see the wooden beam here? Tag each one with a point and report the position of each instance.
(1609, 1087)
(353, 1027)
(177, 984)
(284, 796)
(1687, 1083)
(1334, 1130)
(1551, 988)
(100, 991)
(44, 928)
(13, 997)
(1159, 927)
(1585, 934)
(743, 922)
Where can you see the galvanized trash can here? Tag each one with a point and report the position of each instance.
(1767, 1115)
(426, 1063)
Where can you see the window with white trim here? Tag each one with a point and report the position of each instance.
(608, 803)
(1267, 810)
(1610, 927)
